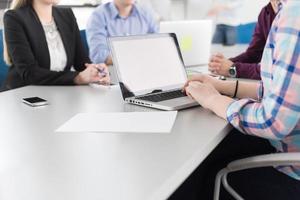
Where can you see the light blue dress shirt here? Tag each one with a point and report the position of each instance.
(105, 21)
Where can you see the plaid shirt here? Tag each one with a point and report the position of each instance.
(276, 115)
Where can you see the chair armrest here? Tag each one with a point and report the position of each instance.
(277, 159)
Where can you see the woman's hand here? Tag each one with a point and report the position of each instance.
(203, 93)
(204, 78)
(94, 73)
(103, 72)
(208, 97)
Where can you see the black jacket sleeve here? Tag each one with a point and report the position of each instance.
(24, 60)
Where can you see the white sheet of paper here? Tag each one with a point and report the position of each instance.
(104, 87)
(125, 122)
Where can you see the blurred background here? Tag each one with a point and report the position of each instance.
(163, 9)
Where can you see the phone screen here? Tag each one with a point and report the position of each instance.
(34, 100)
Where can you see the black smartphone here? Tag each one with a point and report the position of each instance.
(35, 101)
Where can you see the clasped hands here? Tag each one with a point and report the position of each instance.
(93, 73)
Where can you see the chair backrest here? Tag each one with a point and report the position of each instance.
(3, 66)
(84, 40)
(245, 32)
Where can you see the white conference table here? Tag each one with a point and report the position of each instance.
(38, 163)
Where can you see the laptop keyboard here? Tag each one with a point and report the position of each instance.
(163, 96)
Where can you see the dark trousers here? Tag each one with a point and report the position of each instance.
(252, 184)
(226, 35)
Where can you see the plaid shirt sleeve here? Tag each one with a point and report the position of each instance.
(277, 112)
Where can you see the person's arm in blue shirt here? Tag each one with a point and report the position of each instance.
(96, 37)
(153, 24)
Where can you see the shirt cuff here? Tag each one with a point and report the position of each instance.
(241, 71)
(231, 59)
(234, 113)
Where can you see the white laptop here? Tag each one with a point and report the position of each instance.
(194, 37)
(150, 71)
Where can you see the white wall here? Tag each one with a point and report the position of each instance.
(251, 9)
(79, 2)
(197, 9)
(248, 13)
(82, 15)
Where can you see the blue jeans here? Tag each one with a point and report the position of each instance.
(225, 35)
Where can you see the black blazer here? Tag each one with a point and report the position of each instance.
(28, 49)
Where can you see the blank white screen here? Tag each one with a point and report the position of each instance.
(149, 63)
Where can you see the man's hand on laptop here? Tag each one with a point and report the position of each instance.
(219, 65)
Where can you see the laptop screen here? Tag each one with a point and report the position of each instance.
(194, 37)
(147, 63)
